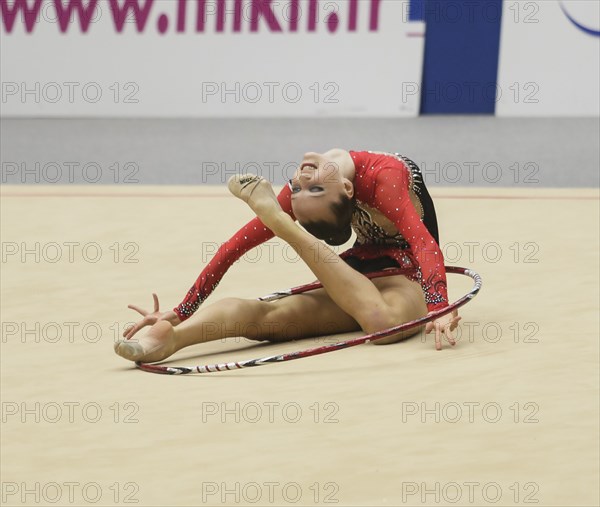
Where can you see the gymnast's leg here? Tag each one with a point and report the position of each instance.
(280, 320)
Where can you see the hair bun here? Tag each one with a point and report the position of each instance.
(341, 238)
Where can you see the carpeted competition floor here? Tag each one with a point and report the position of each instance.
(507, 417)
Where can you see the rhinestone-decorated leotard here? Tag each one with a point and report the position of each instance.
(383, 181)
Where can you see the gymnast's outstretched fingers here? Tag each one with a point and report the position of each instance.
(444, 325)
(150, 318)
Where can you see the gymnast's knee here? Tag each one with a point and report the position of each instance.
(373, 321)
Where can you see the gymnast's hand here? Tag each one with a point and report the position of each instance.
(446, 325)
(150, 318)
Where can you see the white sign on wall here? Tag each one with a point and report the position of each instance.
(550, 59)
(210, 58)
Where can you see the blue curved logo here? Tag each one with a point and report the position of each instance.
(589, 31)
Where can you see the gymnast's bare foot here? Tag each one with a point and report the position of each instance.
(157, 344)
(258, 193)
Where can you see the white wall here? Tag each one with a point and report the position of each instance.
(548, 66)
(191, 74)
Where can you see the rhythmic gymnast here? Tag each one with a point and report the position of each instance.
(382, 197)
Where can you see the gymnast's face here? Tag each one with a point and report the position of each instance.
(318, 183)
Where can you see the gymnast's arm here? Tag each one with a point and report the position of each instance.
(252, 234)
(400, 210)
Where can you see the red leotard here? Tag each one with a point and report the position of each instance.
(383, 182)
